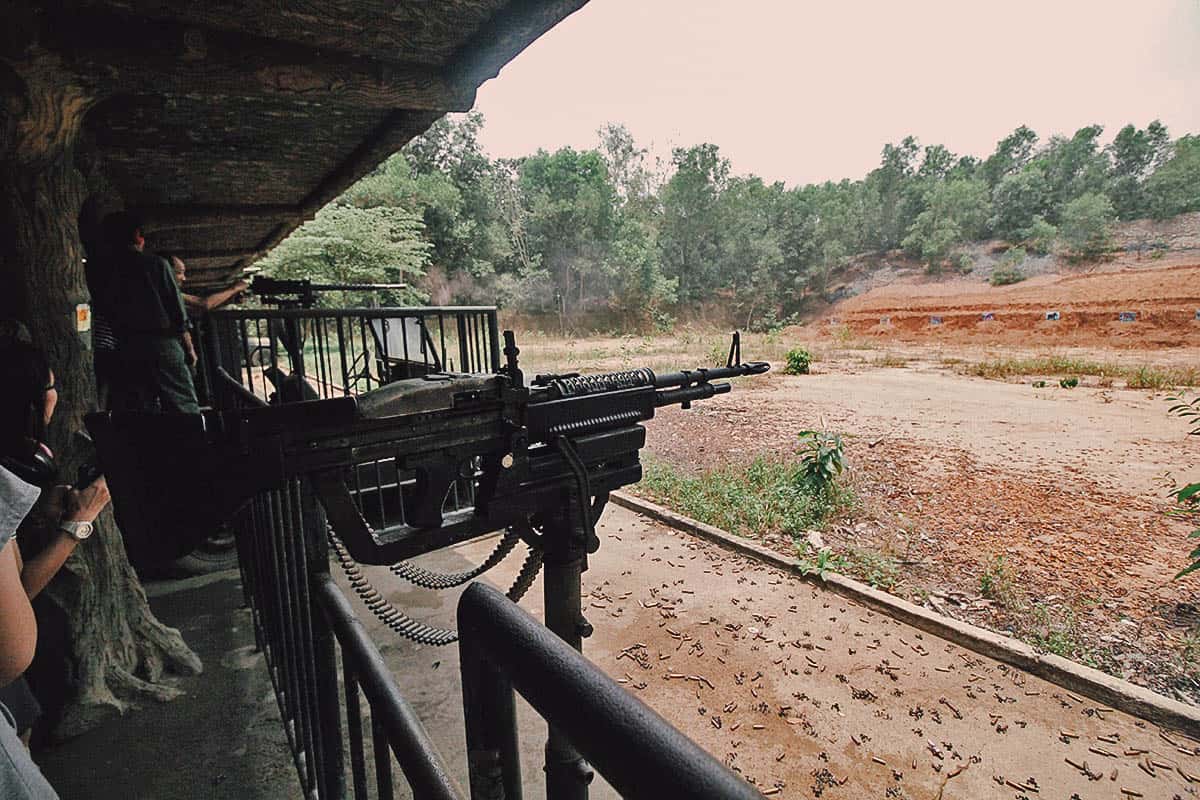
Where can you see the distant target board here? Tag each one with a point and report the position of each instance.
(1053, 316)
(1127, 316)
(935, 320)
(988, 316)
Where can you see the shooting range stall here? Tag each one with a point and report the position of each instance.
(225, 128)
(316, 448)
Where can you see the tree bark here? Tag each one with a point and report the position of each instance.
(116, 650)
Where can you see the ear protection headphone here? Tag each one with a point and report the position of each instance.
(37, 467)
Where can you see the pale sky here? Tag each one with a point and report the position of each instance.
(809, 91)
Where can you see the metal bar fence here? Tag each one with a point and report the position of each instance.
(289, 355)
(301, 618)
(301, 621)
(306, 627)
(502, 648)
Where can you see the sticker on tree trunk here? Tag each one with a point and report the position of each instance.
(83, 318)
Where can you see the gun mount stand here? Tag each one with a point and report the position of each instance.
(568, 536)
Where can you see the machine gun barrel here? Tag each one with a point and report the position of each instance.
(356, 287)
(686, 394)
(575, 385)
(303, 292)
(688, 377)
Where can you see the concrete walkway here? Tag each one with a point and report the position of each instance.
(798, 689)
(222, 739)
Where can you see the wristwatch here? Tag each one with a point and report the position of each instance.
(76, 530)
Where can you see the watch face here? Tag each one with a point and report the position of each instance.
(78, 530)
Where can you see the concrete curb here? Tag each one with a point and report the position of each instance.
(1110, 691)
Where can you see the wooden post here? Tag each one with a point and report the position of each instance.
(116, 651)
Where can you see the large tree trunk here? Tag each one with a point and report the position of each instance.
(116, 651)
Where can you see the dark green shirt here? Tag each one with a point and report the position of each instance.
(142, 298)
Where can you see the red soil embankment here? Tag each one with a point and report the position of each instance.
(1165, 302)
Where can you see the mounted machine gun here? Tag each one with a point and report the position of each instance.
(302, 292)
(539, 459)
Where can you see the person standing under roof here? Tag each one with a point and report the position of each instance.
(154, 352)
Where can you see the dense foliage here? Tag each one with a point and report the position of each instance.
(614, 229)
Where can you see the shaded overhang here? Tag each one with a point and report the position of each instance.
(228, 123)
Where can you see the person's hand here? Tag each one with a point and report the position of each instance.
(84, 505)
(53, 502)
(241, 286)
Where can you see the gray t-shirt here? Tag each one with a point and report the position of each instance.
(20, 778)
(16, 499)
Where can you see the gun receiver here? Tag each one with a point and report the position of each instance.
(527, 450)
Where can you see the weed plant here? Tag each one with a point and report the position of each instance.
(1142, 377)
(768, 495)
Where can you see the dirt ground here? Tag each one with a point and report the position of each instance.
(1055, 498)
(801, 691)
(953, 473)
(809, 695)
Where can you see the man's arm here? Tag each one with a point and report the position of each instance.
(76, 506)
(202, 305)
(172, 301)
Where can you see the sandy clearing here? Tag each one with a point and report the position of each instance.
(1121, 439)
(831, 684)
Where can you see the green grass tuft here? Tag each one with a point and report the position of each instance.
(765, 496)
(1142, 377)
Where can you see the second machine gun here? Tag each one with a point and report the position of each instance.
(302, 292)
(540, 456)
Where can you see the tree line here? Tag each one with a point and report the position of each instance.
(613, 228)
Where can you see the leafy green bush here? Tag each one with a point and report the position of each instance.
(1086, 226)
(1002, 276)
(798, 361)
(1009, 269)
(1068, 383)
(1041, 236)
(826, 561)
(822, 457)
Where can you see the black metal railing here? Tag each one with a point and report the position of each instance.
(395, 727)
(639, 753)
(289, 354)
(301, 620)
(306, 626)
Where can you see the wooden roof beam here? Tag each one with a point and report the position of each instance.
(231, 253)
(129, 55)
(176, 217)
